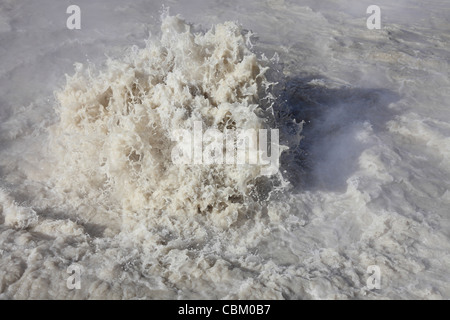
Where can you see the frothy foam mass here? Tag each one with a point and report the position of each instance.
(117, 127)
